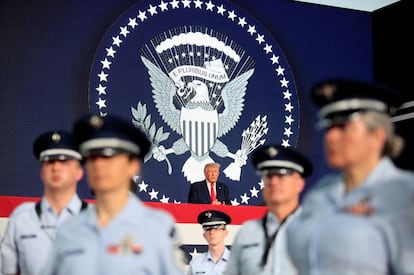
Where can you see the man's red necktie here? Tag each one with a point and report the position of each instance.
(213, 193)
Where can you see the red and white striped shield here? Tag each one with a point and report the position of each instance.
(199, 129)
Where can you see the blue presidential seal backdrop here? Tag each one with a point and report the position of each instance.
(207, 83)
(250, 83)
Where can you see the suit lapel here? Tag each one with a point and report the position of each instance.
(207, 197)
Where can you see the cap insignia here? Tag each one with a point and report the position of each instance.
(96, 122)
(272, 151)
(56, 137)
(327, 91)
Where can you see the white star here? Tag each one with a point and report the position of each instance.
(232, 15)
(288, 107)
(186, 3)
(110, 52)
(234, 202)
(260, 39)
(152, 10)
(194, 253)
(275, 59)
(242, 22)
(103, 76)
(198, 4)
(284, 82)
(163, 6)
(221, 10)
(102, 113)
(153, 194)
(101, 103)
(164, 199)
(141, 15)
(252, 30)
(143, 186)
(106, 64)
(174, 4)
(116, 41)
(288, 132)
(254, 192)
(287, 95)
(285, 143)
(101, 89)
(280, 70)
(132, 22)
(124, 31)
(261, 184)
(268, 48)
(177, 202)
(289, 119)
(244, 198)
(209, 6)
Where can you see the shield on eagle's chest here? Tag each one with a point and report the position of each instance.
(199, 129)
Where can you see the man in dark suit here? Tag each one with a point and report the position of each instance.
(209, 191)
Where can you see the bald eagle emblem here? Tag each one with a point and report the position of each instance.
(198, 84)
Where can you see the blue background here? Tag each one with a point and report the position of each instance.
(48, 47)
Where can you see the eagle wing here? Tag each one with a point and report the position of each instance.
(233, 100)
(163, 91)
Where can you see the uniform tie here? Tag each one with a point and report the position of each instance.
(213, 193)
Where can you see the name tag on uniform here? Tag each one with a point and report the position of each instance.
(250, 245)
(71, 252)
(31, 236)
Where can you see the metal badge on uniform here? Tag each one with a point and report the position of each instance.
(125, 247)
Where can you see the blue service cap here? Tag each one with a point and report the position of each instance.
(55, 145)
(213, 219)
(276, 159)
(108, 136)
(340, 100)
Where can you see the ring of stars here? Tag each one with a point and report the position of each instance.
(152, 11)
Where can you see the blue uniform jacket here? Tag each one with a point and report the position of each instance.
(139, 240)
(328, 238)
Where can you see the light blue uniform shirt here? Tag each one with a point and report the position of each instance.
(249, 246)
(326, 239)
(204, 264)
(28, 237)
(139, 240)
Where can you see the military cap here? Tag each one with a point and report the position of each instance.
(108, 136)
(276, 159)
(213, 219)
(55, 145)
(340, 99)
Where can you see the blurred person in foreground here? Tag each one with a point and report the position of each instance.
(214, 261)
(359, 220)
(118, 234)
(260, 245)
(32, 226)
